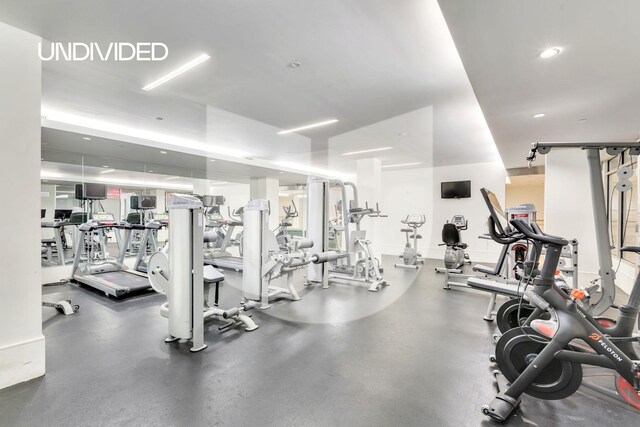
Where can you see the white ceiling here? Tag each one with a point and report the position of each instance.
(363, 62)
(594, 78)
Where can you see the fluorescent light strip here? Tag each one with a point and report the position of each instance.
(138, 183)
(172, 177)
(63, 196)
(46, 174)
(189, 65)
(315, 125)
(113, 128)
(310, 170)
(401, 164)
(367, 151)
(108, 171)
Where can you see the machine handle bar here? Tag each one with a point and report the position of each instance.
(529, 232)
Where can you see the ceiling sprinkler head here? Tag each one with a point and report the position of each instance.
(294, 64)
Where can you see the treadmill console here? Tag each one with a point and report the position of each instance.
(103, 218)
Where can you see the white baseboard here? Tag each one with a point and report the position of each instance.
(22, 362)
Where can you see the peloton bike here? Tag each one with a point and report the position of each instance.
(454, 256)
(411, 258)
(546, 358)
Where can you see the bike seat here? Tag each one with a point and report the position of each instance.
(406, 230)
(635, 249)
(415, 236)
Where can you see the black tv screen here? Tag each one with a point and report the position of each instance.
(143, 202)
(89, 191)
(455, 189)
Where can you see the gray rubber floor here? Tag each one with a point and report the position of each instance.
(411, 354)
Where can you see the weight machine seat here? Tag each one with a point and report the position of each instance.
(415, 236)
(635, 249)
(48, 241)
(493, 286)
(484, 269)
(460, 246)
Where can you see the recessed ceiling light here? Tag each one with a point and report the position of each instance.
(281, 172)
(539, 115)
(367, 151)
(212, 160)
(150, 171)
(550, 53)
(108, 171)
(401, 164)
(163, 152)
(314, 125)
(86, 138)
(189, 65)
(105, 166)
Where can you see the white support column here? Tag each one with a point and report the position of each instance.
(201, 187)
(160, 200)
(267, 188)
(567, 205)
(370, 190)
(22, 350)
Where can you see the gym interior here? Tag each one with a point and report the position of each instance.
(304, 213)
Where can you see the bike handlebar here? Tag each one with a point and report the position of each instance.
(531, 233)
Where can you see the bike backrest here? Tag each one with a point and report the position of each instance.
(450, 234)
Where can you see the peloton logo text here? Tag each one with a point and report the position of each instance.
(114, 51)
(611, 351)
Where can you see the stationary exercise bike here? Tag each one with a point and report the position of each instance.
(546, 358)
(411, 258)
(454, 256)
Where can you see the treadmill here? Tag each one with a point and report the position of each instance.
(109, 276)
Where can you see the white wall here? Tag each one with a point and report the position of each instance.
(236, 196)
(569, 213)
(417, 191)
(21, 341)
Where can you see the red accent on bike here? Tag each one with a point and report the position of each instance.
(547, 328)
(628, 393)
(578, 293)
(607, 323)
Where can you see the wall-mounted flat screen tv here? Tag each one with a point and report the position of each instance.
(455, 189)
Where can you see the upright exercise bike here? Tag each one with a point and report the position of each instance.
(545, 359)
(411, 258)
(454, 256)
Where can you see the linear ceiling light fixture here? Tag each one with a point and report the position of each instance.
(367, 151)
(189, 65)
(107, 171)
(400, 165)
(314, 125)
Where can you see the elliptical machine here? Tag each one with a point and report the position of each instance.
(454, 256)
(411, 258)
